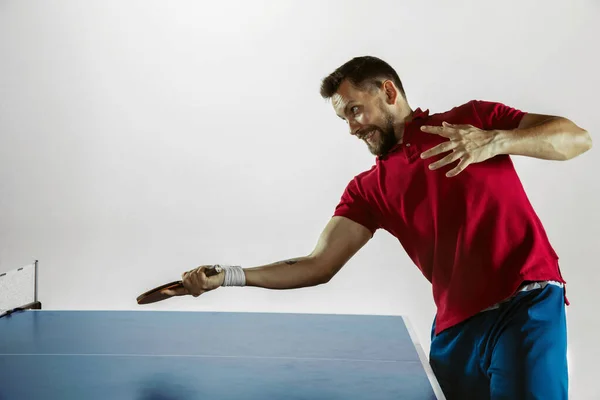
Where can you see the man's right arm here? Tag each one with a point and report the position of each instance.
(338, 242)
(341, 239)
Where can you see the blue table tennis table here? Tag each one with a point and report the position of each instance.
(172, 355)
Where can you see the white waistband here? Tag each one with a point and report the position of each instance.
(526, 288)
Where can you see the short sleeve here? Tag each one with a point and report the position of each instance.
(497, 115)
(354, 207)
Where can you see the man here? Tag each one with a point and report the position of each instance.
(445, 186)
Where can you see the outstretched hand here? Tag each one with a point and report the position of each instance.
(466, 143)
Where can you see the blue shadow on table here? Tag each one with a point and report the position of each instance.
(162, 387)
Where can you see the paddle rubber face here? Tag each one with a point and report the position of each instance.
(154, 295)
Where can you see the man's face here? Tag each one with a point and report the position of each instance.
(367, 115)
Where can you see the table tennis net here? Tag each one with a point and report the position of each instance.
(18, 289)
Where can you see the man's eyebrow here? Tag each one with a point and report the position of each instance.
(349, 105)
(343, 112)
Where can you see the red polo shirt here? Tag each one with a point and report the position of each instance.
(474, 236)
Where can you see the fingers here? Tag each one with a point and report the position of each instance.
(459, 139)
(449, 159)
(439, 149)
(464, 162)
(179, 291)
(190, 282)
(196, 281)
(457, 127)
(213, 270)
(446, 130)
(438, 130)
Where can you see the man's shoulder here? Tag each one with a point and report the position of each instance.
(476, 112)
(477, 106)
(362, 177)
(468, 107)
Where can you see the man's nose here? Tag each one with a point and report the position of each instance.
(354, 127)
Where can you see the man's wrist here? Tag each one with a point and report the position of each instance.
(503, 139)
(233, 275)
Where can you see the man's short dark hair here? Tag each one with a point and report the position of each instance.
(362, 72)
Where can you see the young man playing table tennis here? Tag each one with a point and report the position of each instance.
(445, 186)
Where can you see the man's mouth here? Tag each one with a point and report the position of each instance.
(369, 135)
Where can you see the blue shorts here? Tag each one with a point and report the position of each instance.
(517, 351)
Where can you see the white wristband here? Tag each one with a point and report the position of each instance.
(234, 275)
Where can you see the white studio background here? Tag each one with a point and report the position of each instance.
(140, 139)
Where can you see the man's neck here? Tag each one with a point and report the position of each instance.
(399, 128)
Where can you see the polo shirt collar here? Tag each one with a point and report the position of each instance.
(417, 114)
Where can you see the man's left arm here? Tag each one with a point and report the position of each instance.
(542, 136)
(535, 135)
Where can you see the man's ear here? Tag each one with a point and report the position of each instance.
(391, 92)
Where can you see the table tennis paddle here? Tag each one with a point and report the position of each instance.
(157, 294)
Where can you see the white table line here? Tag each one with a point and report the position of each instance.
(205, 356)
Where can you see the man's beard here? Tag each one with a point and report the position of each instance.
(387, 137)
